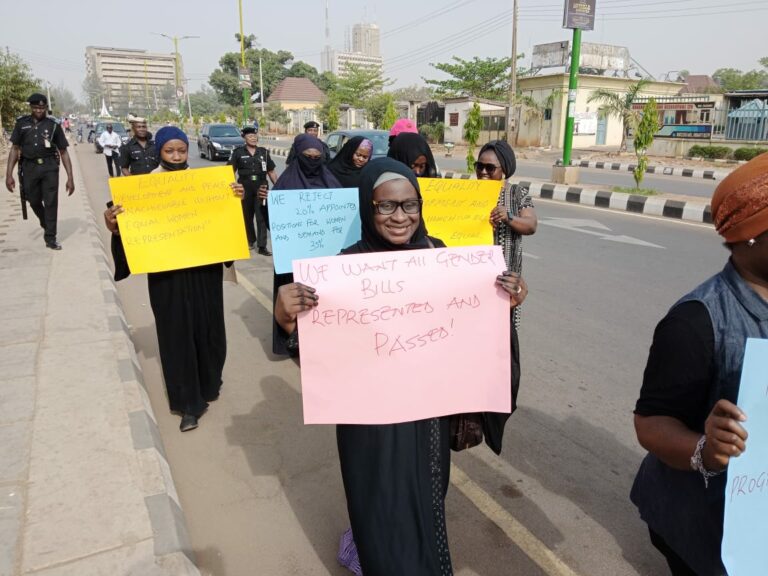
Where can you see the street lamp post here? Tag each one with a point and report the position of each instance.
(177, 71)
(246, 96)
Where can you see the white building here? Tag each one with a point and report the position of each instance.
(336, 61)
(366, 39)
(138, 77)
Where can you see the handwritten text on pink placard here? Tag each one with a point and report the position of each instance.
(406, 335)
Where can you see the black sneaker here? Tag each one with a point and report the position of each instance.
(265, 252)
(188, 422)
(53, 245)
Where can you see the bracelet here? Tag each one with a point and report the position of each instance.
(697, 462)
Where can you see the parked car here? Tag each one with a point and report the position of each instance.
(380, 138)
(116, 127)
(218, 140)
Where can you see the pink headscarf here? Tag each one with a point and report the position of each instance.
(403, 125)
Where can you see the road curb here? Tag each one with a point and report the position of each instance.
(649, 205)
(706, 174)
(172, 548)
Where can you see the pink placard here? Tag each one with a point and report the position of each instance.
(406, 335)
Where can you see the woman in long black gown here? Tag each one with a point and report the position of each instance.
(188, 306)
(307, 172)
(395, 475)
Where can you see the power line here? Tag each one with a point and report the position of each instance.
(427, 18)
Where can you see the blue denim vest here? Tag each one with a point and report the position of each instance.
(675, 503)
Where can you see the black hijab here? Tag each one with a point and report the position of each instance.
(407, 146)
(343, 167)
(371, 240)
(305, 173)
(504, 153)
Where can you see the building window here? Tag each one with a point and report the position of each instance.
(547, 113)
(704, 116)
(453, 119)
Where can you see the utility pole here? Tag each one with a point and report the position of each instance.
(512, 95)
(246, 96)
(261, 88)
(177, 67)
(573, 84)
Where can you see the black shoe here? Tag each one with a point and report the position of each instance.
(53, 245)
(188, 422)
(265, 252)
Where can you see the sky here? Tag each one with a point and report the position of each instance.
(661, 35)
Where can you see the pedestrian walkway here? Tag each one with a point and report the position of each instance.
(85, 488)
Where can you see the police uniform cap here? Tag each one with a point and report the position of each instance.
(248, 130)
(311, 124)
(38, 100)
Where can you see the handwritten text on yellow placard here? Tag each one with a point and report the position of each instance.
(457, 211)
(179, 219)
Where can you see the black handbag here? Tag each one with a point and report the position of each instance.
(466, 431)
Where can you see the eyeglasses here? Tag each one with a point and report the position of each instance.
(388, 207)
(488, 168)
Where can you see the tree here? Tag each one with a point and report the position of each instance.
(732, 79)
(472, 127)
(275, 113)
(376, 107)
(63, 101)
(16, 84)
(274, 67)
(390, 114)
(93, 90)
(646, 130)
(620, 106)
(328, 112)
(359, 84)
(205, 102)
(477, 78)
(413, 93)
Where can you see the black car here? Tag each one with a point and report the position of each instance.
(118, 128)
(380, 138)
(218, 140)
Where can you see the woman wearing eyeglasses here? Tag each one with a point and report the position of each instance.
(395, 475)
(514, 217)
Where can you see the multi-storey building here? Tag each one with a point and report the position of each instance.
(135, 80)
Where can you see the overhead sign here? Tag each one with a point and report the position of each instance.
(579, 14)
(244, 77)
(404, 335)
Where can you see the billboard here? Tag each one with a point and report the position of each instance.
(598, 56)
(579, 14)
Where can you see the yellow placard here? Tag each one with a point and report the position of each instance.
(458, 211)
(179, 219)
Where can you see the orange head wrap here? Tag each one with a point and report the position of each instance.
(740, 202)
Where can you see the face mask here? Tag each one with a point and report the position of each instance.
(174, 165)
(311, 167)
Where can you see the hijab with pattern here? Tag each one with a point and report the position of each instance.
(343, 165)
(407, 147)
(371, 240)
(305, 173)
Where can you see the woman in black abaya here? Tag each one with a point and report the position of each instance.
(414, 151)
(351, 160)
(306, 172)
(188, 306)
(395, 475)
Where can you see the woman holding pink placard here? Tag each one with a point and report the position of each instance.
(395, 475)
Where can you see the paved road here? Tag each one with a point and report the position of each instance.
(262, 493)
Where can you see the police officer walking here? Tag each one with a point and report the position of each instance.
(253, 165)
(38, 143)
(139, 155)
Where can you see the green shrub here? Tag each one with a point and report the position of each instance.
(748, 153)
(709, 152)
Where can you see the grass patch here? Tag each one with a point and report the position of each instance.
(635, 191)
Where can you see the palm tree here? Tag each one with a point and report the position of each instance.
(615, 104)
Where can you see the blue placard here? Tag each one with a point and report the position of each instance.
(309, 223)
(746, 493)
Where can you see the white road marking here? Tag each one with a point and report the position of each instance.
(575, 225)
(531, 256)
(534, 548)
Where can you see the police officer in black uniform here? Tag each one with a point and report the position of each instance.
(39, 143)
(253, 165)
(313, 129)
(139, 155)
